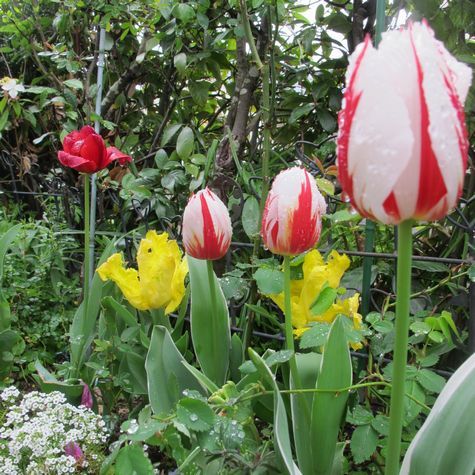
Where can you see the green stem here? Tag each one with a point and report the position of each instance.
(336, 391)
(212, 288)
(289, 335)
(87, 238)
(403, 288)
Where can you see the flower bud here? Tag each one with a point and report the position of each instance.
(206, 226)
(291, 222)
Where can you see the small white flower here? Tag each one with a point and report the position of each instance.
(11, 87)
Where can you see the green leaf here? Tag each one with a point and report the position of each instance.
(211, 333)
(184, 143)
(327, 120)
(281, 427)
(430, 266)
(169, 133)
(199, 91)
(363, 443)
(299, 112)
(131, 460)
(328, 408)
(73, 83)
(8, 339)
(430, 380)
(360, 416)
(4, 119)
(195, 414)
(180, 63)
(205, 382)
(411, 408)
(381, 424)
(250, 217)
(184, 12)
(324, 301)
(269, 281)
(167, 377)
(444, 444)
(471, 272)
(110, 303)
(308, 367)
(315, 336)
(420, 328)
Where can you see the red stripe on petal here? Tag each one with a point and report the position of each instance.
(213, 242)
(345, 122)
(391, 208)
(431, 182)
(302, 225)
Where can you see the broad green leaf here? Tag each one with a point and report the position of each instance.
(315, 336)
(5, 242)
(308, 365)
(73, 83)
(196, 415)
(236, 356)
(430, 266)
(363, 443)
(134, 364)
(281, 427)
(167, 377)
(328, 408)
(299, 112)
(71, 388)
(269, 281)
(210, 332)
(184, 143)
(444, 444)
(83, 327)
(199, 91)
(131, 460)
(180, 63)
(110, 303)
(184, 12)
(430, 380)
(205, 382)
(250, 217)
(324, 301)
(169, 133)
(8, 339)
(327, 120)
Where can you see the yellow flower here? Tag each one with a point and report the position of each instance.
(303, 292)
(159, 281)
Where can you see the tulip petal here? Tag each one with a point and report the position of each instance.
(94, 150)
(75, 162)
(444, 143)
(114, 153)
(380, 142)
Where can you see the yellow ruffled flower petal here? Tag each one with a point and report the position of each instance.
(317, 273)
(177, 286)
(337, 265)
(159, 281)
(126, 279)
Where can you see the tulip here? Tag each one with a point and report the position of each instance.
(159, 282)
(402, 142)
(291, 222)
(86, 152)
(207, 227)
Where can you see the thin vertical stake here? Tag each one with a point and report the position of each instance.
(97, 128)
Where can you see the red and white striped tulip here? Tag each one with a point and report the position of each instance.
(292, 218)
(402, 142)
(207, 227)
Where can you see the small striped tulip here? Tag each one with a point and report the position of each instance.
(291, 222)
(207, 227)
(402, 143)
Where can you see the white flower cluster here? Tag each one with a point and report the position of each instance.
(35, 432)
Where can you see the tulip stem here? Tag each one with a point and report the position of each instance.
(87, 238)
(403, 288)
(289, 336)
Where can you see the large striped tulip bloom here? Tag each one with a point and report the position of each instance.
(207, 227)
(291, 222)
(402, 142)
